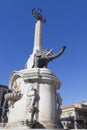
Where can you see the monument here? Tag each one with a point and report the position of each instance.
(33, 100)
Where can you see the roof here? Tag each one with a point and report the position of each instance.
(75, 106)
(3, 86)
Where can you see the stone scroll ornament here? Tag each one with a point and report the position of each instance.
(42, 57)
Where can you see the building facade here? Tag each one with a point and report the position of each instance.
(74, 116)
(3, 90)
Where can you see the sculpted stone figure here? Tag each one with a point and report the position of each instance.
(35, 100)
(33, 106)
(42, 57)
(15, 93)
(59, 100)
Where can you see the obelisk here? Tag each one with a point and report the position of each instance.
(38, 36)
(37, 39)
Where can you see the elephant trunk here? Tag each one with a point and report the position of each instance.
(57, 54)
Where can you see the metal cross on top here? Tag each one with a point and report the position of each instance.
(37, 14)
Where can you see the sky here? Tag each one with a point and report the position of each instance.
(66, 25)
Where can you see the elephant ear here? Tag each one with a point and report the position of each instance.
(44, 53)
(57, 54)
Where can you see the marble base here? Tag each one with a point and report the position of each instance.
(46, 82)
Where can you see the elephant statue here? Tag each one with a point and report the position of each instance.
(42, 57)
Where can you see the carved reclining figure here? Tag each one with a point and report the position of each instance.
(12, 97)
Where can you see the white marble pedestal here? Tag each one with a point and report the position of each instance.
(46, 82)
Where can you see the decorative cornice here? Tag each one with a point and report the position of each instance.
(40, 75)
